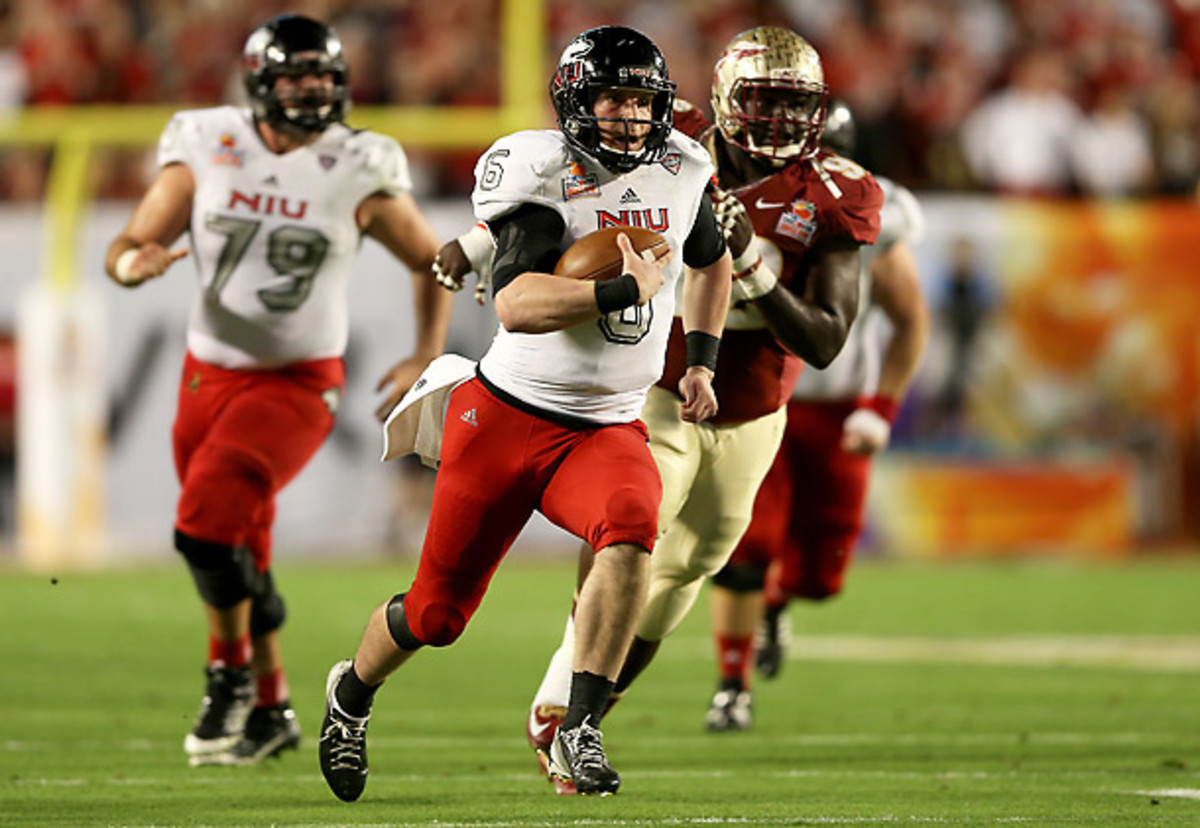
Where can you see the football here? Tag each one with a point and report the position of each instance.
(596, 257)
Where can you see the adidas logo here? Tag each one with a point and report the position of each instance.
(272, 180)
(630, 197)
(469, 418)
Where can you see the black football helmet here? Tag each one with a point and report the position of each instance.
(612, 57)
(293, 45)
(840, 133)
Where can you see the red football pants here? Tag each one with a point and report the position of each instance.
(498, 465)
(809, 511)
(239, 437)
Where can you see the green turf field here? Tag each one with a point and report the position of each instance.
(969, 694)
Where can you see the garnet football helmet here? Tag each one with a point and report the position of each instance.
(769, 94)
(291, 46)
(612, 57)
(839, 134)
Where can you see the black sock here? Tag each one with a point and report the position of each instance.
(771, 616)
(641, 653)
(589, 695)
(353, 695)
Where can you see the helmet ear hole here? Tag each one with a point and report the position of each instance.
(612, 57)
(294, 45)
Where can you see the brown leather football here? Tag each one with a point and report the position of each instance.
(596, 257)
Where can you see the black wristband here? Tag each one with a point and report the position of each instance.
(702, 349)
(617, 294)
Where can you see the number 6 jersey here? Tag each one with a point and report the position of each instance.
(599, 370)
(274, 236)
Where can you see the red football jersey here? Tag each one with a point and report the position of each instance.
(793, 209)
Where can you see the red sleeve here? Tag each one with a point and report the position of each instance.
(690, 120)
(855, 212)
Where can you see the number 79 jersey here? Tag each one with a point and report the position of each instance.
(273, 236)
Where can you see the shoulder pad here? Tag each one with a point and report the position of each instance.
(381, 158)
(901, 217)
(689, 120)
(191, 129)
(519, 169)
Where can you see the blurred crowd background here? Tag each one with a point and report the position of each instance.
(1057, 97)
(1054, 144)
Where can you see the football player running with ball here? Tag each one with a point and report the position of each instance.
(276, 199)
(549, 421)
(795, 218)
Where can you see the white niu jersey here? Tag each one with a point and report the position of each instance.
(599, 370)
(855, 371)
(274, 237)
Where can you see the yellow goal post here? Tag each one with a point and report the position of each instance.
(60, 417)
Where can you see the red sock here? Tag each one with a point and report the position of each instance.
(272, 689)
(234, 653)
(734, 655)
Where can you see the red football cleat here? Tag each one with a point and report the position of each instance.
(540, 727)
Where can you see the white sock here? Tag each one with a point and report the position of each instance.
(556, 684)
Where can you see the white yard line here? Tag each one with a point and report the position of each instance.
(1169, 793)
(1161, 653)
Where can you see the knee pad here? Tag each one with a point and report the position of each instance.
(224, 575)
(740, 578)
(267, 610)
(397, 625)
(441, 624)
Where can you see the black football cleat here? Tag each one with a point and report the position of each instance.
(343, 749)
(269, 732)
(577, 756)
(228, 699)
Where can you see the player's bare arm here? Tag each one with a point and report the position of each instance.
(896, 289)
(470, 252)
(704, 306)
(141, 251)
(541, 302)
(813, 323)
(398, 224)
(705, 303)
(529, 298)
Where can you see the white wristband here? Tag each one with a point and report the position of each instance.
(478, 248)
(748, 259)
(869, 425)
(124, 265)
(753, 283)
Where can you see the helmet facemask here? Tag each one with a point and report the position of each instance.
(769, 95)
(775, 121)
(292, 47)
(613, 58)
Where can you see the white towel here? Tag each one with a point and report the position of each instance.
(415, 424)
